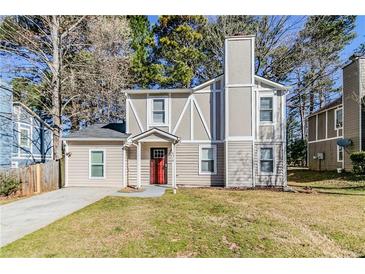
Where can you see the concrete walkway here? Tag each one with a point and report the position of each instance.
(28, 215)
(148, 192)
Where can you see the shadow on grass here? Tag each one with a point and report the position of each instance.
(340, 188)
(342, 193)
(307, 176)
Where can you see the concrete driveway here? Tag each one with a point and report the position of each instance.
(28, 215)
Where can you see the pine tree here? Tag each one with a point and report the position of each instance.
(178, 55)
(142, 42)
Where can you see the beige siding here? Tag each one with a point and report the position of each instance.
(240, 111)
(199, 130)
(183, 131)
(239, 164)
(187, 166)
(133, 126)
(266, 132)
(277, 178)
(78, 163)
(178, 102)
(351, 109)
(239, 59)
(329, 148)
(140, 104)
(205, 102)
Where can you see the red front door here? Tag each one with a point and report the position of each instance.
(158, 167)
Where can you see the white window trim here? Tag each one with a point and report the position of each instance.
(29, 138)
(150, 109)
(214, 147)
(336, 110)
(14, 164)
(104, 163)
(338, 154)
(273, 161)
(267, 95)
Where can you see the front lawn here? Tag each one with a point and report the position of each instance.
(206, 223)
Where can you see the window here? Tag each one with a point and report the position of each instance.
(208, 159)
(97, 164)
(159, 111)
(338, 119)
(266, 160)
(339, 154)
(24, 137)
(266, 109)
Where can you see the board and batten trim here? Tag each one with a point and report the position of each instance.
(136, 115)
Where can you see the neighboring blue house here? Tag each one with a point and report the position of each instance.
(6, 125)
(24, 137)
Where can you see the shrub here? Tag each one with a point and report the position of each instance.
(8, 185)
(358, 162)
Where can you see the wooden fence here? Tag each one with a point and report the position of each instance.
(39, 177)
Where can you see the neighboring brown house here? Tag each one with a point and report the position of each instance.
(228, 131)
(340, 122)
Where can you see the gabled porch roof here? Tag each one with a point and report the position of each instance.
(154, 131)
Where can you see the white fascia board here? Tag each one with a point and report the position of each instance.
(271, 83)
(94, 139)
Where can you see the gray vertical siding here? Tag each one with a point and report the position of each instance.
(329, 148)
(351, 109)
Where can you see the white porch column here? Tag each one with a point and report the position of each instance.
(139, 150)
(125, 183)
(173, 149)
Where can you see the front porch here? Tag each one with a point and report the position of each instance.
(150, 159)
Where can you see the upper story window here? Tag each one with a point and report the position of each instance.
(159, 111)
(266, 109)
(338, 118)
(24, 139)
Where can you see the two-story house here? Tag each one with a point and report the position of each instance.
(229, 131)
(338, 129)
(24, 137)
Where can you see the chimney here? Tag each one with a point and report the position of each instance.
(239, 81)
(239, 110)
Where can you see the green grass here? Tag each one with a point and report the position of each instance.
(205, 223)
(327, 182)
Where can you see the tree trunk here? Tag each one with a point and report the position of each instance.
(56, 86)
(302, 117)
(311, 102)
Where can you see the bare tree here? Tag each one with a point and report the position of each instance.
(78, 65)
(40, 41)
